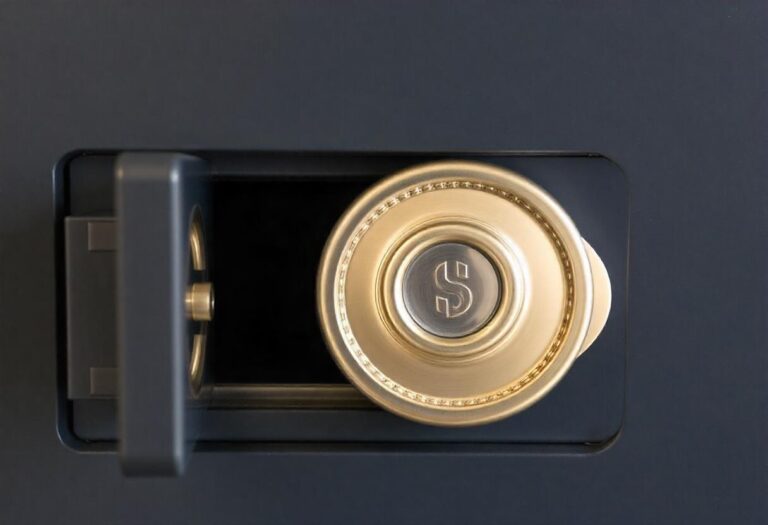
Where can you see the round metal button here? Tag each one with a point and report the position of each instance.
(451, 290)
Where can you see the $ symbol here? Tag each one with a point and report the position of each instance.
(453, 288)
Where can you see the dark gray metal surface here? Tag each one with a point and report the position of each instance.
(675, 92)
(156, 195)
(90, 299)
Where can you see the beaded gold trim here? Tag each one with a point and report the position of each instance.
(434, 401)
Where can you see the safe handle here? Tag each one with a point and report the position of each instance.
(161, 204)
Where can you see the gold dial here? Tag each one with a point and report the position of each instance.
(456, 293)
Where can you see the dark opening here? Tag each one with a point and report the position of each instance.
(268, 236)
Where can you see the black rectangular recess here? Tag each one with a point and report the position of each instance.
(269, 235)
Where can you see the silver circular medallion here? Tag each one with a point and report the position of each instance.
(451, 290)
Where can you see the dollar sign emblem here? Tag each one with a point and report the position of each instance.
(453, 288)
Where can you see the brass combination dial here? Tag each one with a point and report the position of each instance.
(458, 293)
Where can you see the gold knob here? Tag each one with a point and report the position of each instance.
(458, 293)
(199, 301)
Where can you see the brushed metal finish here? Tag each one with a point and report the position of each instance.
(601, 304)
(199, 302)
(451, 289)
(374, 305)
(254, 396)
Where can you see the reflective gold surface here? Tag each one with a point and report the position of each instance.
(601, 300)
(541, 322)
(199, 301)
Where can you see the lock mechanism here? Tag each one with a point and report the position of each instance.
(458, 293)
(452, 293)
(198, 300)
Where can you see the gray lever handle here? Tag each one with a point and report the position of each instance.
(159, 197)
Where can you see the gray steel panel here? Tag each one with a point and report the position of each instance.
(674, 92)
